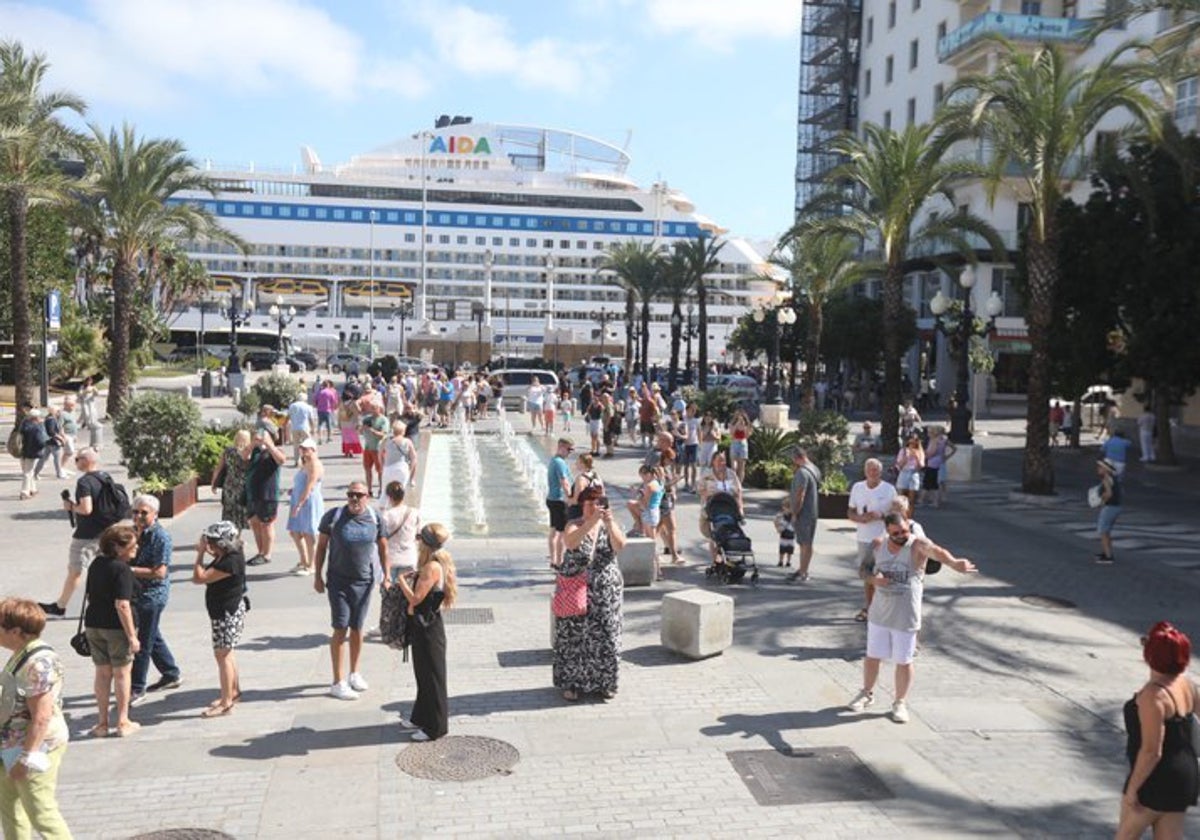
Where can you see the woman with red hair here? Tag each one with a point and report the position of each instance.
(1164, 780)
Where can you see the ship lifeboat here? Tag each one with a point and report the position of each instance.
(358, 293)
(292, 291)
(223, 285)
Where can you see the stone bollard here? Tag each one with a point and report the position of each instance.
(636, 561)
(696, 623)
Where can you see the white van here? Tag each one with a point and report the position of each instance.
(517, 381)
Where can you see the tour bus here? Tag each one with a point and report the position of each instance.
(185, 343)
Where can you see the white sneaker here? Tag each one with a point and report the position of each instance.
(357, 682)
(861, 700)
(405, 723)
(342, 691)
(419, 735)
(900, 711)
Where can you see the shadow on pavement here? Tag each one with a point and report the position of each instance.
(305, 740)
(306, 642)
(771, 726)
(491, 702)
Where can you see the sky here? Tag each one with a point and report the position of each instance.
(703, 91)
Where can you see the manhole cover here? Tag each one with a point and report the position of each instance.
(184, 834)
(458, 758)
(820, 774)
(469, 615)
(1048, 602)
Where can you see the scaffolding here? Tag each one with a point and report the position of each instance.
(829, 53)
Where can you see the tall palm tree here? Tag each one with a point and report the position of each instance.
(1038, 111)
(878, 193)
(134, 179)
(31, 133)
(676, 285)
(699, 259)
(820, 265)
(622, 261)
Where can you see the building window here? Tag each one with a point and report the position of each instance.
(889, 70)
(941, 30)
(867, 84)
(939, 93)
(870, 29)
(1004, 283)
(887, 120)
(916, 5)
(1070, 8)
(914, 54)
(892, 14)
(1031, 7)
(1185, 102)
(912, 111)
(1115, 9)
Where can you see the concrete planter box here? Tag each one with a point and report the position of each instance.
(833, 505)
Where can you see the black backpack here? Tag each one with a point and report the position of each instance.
(111, 504)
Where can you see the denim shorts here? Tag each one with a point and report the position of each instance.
(1107, 518)
(739, 449)
(691, 452)
(348, 602)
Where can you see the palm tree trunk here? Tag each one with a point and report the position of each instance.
(1164, 447)
(890, 409)
(676, 323)
(18, 228)
(816, 320)
(702, 344)
(645, 354)
(1037, 468)
(630, 314)
(123, 276)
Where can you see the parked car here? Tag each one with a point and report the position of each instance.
(265, 360)
(744, 388)
(308, 357)
(516, 383)
(340, 361)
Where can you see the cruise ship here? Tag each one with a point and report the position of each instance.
(467, 229)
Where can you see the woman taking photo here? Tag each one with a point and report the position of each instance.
(230, 479)
(348, 420)
(33, 732)
(739, 448)
(587, 648)
(435, 588)
(307, 505)
(1163, 779)
(224, 580)
(910, 465)
(108, 621)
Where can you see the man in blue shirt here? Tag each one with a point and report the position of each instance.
(150, 567)
(558, 490)
(1116, 450)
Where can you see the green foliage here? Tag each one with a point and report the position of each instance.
(48, 244)
(720, 401)
(824, 436)
(769, 475)
(835, 482)
(160, 436)
(274, 389)
(770, 444)
(82, 350)
(853, 331)
(250, 402)
(212, 445)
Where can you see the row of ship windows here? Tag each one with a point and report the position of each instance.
(259, 210)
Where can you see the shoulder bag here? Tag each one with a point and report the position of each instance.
(571, 591)
(79, 642)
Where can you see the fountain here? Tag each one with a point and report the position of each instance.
(470, 448)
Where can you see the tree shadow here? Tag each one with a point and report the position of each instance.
(770, 727)
(491, 702)
(529, 658)
(305, 740)
(653, 656)
(306, 642)
(185, 704)
(42, 516)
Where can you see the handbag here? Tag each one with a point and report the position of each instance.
(571, 591)
(1095, 497)
(79, 642)
(393, 620)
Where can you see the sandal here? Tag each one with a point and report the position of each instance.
(219, 710)
(127, 728)
(570, 696)
(98, 731)
(861, 615)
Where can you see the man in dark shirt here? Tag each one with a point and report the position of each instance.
(33, 444)
(262, 495)
(89, 524)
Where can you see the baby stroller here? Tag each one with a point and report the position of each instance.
(735, 553)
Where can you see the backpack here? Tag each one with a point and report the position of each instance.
(15, 441)
(111, 505)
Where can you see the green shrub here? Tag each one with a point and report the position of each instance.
(770, 444)
(160, 436)
(825, 437)
(250, 403)
(214, 443)
(835, 482)
(769, 475)
(275, 389)
(720, 401)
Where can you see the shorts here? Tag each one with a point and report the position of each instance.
(227, 630)
(651, 518)
(348, 602)
(371, 460)
(899, 646)
(81, 553)
(865, 559)
(647, 427)
(109, 647)
(739, 449)
(299, 436)
(707, 450)
(264, 510)
(786, 547)
(667, 504)
(68, 444)
(1107, 518)
(909, 479)
(558, 514)
(325, 418)
(593, 427)
(533, 408)
(691, 452)
(805, 528)
(931, 478)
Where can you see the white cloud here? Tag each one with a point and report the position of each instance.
(481, 44)
(719, 23)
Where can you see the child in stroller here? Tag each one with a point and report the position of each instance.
(733, 554)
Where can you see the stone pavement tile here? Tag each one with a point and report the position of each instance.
(333, 799)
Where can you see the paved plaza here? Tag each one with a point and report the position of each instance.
(1015, 730)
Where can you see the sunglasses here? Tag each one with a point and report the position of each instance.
(141, 513)
(898, 534)
(353, 495)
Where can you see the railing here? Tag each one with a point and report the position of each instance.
(1013, 27)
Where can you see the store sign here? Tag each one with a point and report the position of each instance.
(460, 146)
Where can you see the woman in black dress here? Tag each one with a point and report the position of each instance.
(224, 581)
(587, 648)
(1164, 780)
(435, 588)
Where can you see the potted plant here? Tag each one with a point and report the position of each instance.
(824, 436)
(160, 436)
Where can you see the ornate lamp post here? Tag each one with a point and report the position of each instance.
(777, 314)
(602, 317)
(238, 314)
(690, 330)
(282, 319)
(371, 288)
(403, 311)
(958, 322)
(477, 314)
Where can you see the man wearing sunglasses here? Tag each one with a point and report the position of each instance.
(354, 539)
(895, 614)
(150, 568)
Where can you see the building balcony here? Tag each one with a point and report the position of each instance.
(1034, 29)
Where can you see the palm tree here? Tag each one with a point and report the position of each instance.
(135, 178)
(621, 260)
(699, 259)
(1038, 111)
(820, 265)
(30, 135)
(676, 284)
(887, 179)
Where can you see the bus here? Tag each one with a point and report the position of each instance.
(184, 344)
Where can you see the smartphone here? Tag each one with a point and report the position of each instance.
(602, 502)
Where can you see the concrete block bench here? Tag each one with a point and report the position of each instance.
(636, 560)
(696, 623)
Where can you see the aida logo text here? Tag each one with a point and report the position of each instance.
(460, 146)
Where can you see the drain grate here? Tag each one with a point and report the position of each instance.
(819, 774)
(458, 758)
(1048, 602)
(184, 834)
(469, 615)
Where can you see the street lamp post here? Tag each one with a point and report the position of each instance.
(371, 287)
(403, 311)
(777, 315)
(673, 373)
(488, 260)
(477, 313)
(238, 314)
(602, 317)
(282, 317)
(690, 332)
(959, 325)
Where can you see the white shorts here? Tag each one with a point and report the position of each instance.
(899, 646)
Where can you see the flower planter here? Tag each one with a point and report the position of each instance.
(833, 505)
(176, 500)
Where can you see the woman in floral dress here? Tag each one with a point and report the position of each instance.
(234, 462)
(587, 648)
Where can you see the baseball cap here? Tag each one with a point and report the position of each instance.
(308, 443)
